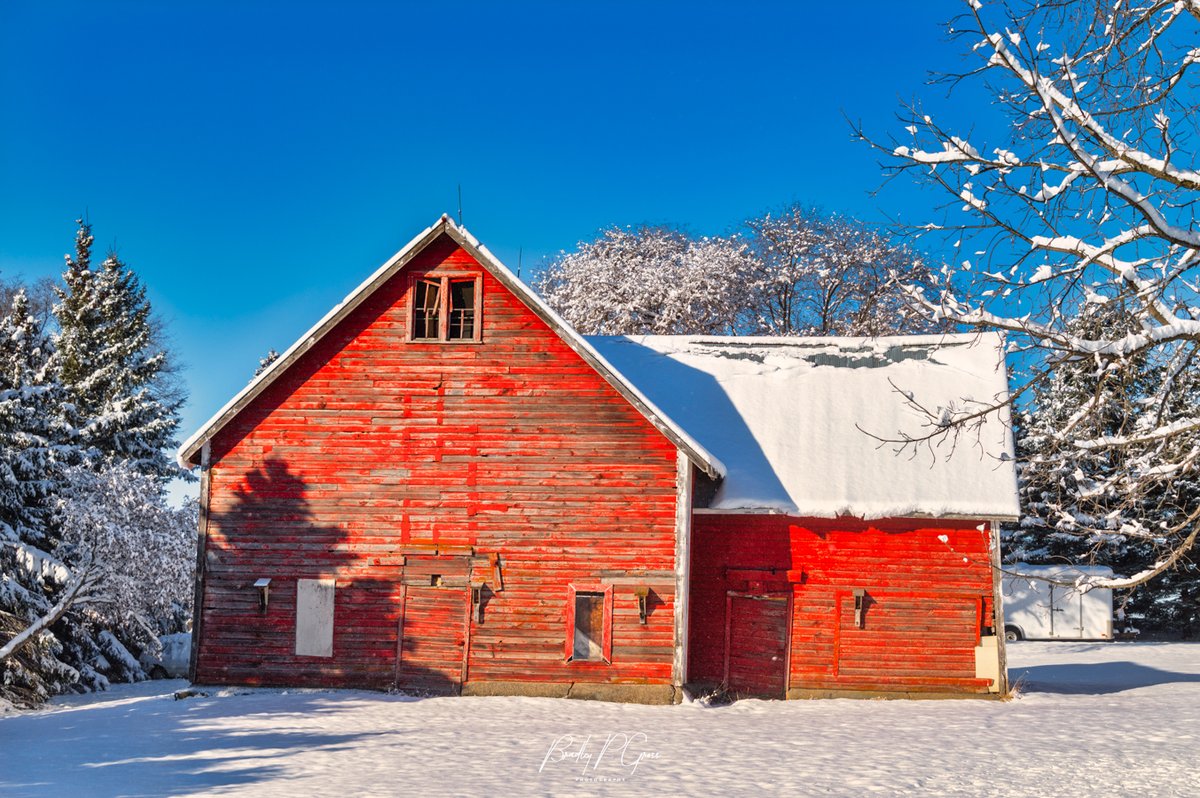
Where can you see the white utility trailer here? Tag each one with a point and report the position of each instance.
(1036, 608)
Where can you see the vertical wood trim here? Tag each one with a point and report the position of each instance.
(410, 301)
(444, 314)
(606, 648)
(570, 647)
(201, 558)
(728, 635)
(998, 605)
(478, 336)
(787, 647)
(837, 634)
(466, 657)
(683, 566)
(400, 634)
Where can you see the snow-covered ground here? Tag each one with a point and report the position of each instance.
(1090, 719)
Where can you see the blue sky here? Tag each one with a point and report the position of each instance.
(254, 161)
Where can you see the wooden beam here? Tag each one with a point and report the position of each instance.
(201, 558)
(993, 532)
(683, 555)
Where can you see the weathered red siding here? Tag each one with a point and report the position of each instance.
(372, 449)
(927, 601)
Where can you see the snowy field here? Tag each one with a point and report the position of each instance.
(1090, 719)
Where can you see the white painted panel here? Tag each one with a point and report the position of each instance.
(314, 617)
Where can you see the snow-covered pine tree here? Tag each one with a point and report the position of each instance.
(32, 452)
(1072, 510)
(30, 446)
(1088, 197)
(76, 312)
(121, 398)
(93, 563)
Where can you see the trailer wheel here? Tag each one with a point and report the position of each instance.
(1011, 634)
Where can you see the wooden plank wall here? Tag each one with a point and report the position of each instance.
(370, 446)
(927, 600)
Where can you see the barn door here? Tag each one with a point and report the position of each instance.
(756, 644)
(434, 626)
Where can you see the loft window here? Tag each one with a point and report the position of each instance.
(427, 307)
(446, 308)
(589, 625)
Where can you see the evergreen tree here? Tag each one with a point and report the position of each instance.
(1076, 502)
(29, 443)
(93, 563)
(121, 400)
(32, 452)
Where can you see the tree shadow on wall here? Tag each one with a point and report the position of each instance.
(262, 526)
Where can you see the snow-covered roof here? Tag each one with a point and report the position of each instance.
(190, 450)
(790, 417)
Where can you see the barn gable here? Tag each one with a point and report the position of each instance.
(189, 452)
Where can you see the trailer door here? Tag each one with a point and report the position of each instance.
(1066, 613)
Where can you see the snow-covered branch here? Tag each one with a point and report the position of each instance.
(1085, 211)
(76, 591)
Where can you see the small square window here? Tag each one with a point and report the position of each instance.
(445, 308)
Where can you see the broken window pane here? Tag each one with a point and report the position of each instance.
(462, 309)
(427, 306)
(589, 626)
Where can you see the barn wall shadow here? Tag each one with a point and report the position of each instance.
(1094, 678)
(268, 529)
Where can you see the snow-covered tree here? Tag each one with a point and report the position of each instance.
(820, 274)
(1088, 199)
(649, 280)
(119, 573)
(93, 563)
(122, 400)
(795, 272)
(39, 295)
(34, 590)
(139, 552)
(30, 445)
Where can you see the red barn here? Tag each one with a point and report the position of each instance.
(443, 487)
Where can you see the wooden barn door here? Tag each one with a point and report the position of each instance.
(434, 628)
(756, 643)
